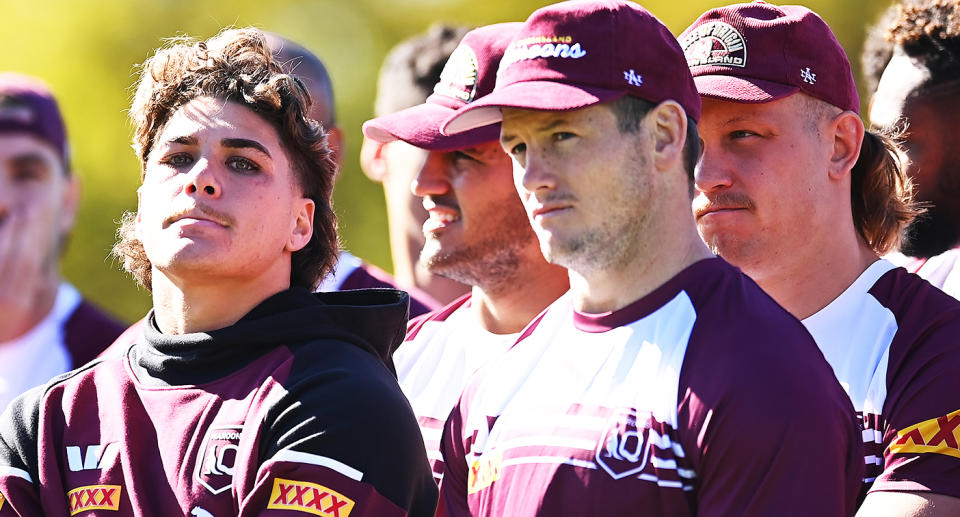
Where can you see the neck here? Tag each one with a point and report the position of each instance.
(21, 313)
(807, 284)
(187, 307)
(509, 308)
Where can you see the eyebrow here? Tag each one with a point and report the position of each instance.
(232, 143)
(245, 143)
(546, 127)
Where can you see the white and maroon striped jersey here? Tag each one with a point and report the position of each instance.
(442, 349)
(702, 398)
(894, 343)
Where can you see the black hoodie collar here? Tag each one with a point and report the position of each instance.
(372, 319)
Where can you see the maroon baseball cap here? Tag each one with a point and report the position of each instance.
(470, 73)
(578, 53)
(27, 106)
(759, 52)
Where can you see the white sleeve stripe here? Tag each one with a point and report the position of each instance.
(11, 471)
(323, 461)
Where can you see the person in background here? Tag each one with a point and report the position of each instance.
(793, 191)
(658, 383)
(912, 63)
(46, 327)
(407, 77)
(477, 233)
(350, 272)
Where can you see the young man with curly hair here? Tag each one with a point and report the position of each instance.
(247, 394)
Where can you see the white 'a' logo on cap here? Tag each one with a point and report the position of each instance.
(459, 77)
(715, 43)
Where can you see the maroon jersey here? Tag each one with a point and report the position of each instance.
(289, 411)
(353, 273)
(702, 398)
(894, 343)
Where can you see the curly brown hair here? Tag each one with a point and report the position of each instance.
(237, 65)
(927, 30)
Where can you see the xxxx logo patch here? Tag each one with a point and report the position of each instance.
(2, 500)
(94, 497)
(938, 435)
(308, 498)
(484, 471)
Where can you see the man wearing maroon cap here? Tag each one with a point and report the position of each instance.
(46, 328)
(791, 189)
(477, 233)
(660, 383)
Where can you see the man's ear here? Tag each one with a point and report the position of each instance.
(335, 143)
(668, 130)
(302, 229)
(847, 131)
(372, 159)
(69, 204)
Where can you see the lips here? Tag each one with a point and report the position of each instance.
(199, 214)
(439, 216)
(704, 205)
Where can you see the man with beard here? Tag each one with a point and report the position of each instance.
(913, 59)
(477, 233)
(791, 189)
(407, 77)
(248, 394)
(658, 384)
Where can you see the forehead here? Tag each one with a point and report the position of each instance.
(19, 145)
(720, 113)
(515, 119)
(216, 118)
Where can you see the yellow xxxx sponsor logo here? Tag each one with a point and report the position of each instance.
(308, 498)
(2, 500)
(94, 497)
(938, 435)
(484, 471)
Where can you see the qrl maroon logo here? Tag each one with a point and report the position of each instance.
(217, 458)
(623, 448)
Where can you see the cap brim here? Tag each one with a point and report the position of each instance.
(420, 126)
(740, 89)
(535, 95)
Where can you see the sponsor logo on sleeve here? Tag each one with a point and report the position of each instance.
(94, 497)
(308, 498)
(217, 458)
(484, 471)
(715, 43)
(937, 435)
(623, 450)
(92, 457)
(2, 500)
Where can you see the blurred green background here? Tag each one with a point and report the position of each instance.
(87, 51)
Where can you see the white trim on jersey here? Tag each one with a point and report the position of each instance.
(15, 472)
(855, 332)
(315, 459)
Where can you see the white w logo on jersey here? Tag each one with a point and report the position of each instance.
(95, 457)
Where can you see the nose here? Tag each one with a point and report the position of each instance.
(534, 172)
(712, 171)
(432, 178)
(203, 180)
